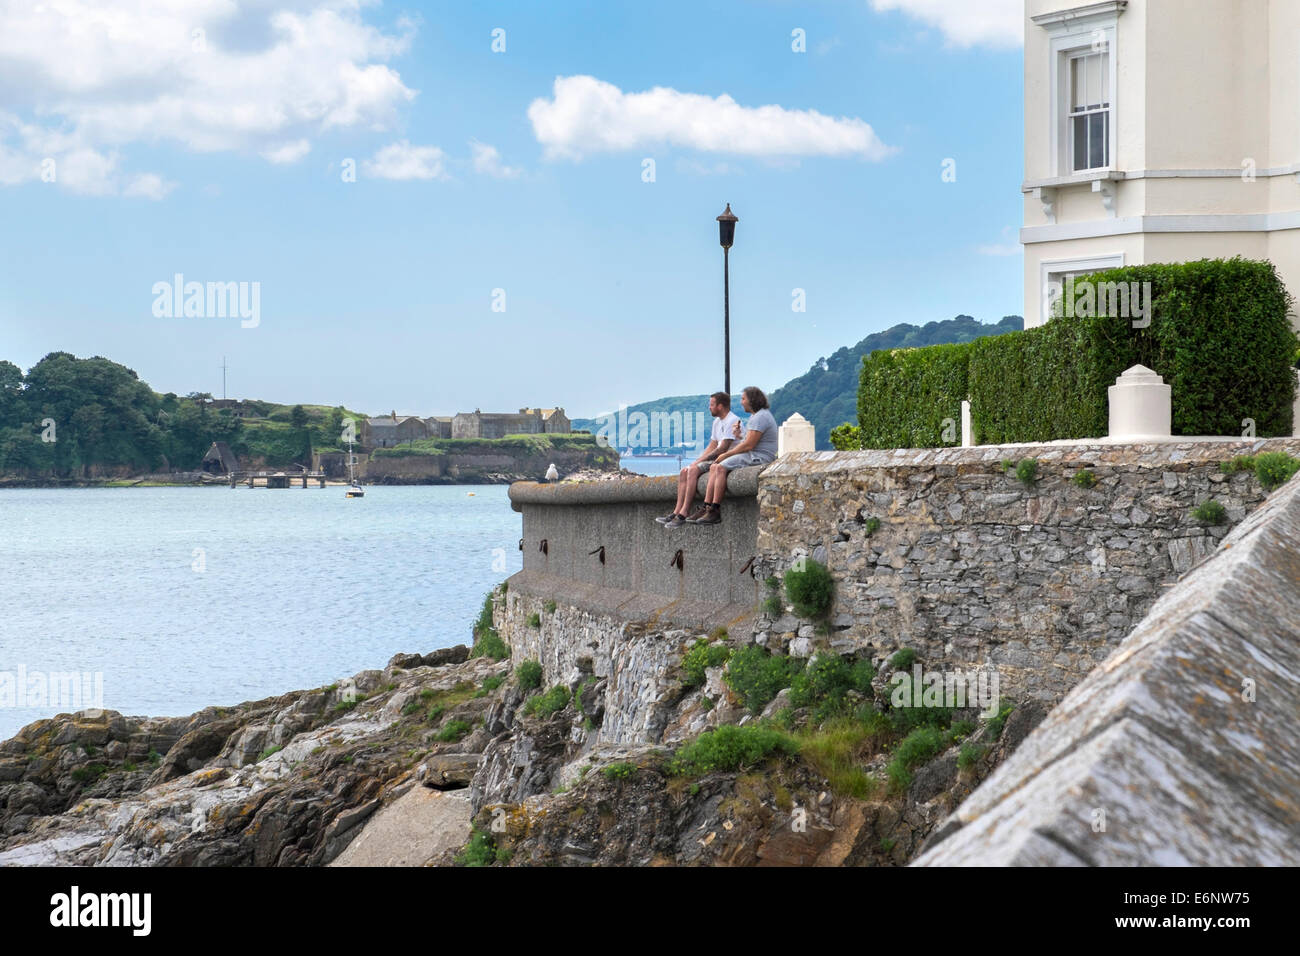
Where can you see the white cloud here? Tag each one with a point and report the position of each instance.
(148, 186)
(587, 115)
(256, 76)
(696, 168)
(487, 161)
(289, 152)
(967, 23)
(401, 160)
(31, 153)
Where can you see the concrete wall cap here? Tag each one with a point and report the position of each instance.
(741, 483)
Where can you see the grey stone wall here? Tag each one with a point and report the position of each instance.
(578, 518)
(1180, 749)
(969, 566)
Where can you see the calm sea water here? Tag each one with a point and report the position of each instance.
(655, 466)
(183, 598)
(189, 597)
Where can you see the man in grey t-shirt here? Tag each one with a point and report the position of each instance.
(757, 447)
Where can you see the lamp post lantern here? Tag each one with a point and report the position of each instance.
(726, 236)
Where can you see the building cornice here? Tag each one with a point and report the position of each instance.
(1118, 175)
(1077, 16)
(1131, 225)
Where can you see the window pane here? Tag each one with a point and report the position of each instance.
(1080, 124)
(1096, 140)
(1078, 93)
(1103, 67)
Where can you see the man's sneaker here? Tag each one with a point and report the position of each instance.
(697, 514)
(675, 522)
(667, 518)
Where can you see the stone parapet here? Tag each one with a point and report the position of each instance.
(1180, 749)
(946, 551)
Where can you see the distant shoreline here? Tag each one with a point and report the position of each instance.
(7, 484)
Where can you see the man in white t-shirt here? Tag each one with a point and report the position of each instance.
(725, 426)
(757, 447)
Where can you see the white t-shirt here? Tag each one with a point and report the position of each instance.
(722, 428)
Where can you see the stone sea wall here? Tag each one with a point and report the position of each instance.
(1180, 749)
(970, 566)
(944, 550)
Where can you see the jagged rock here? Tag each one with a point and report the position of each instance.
(447, 656)
(446, 771)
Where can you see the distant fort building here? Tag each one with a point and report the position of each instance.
(529, 421)
(389, 431)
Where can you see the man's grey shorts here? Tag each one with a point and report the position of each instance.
(744, 460)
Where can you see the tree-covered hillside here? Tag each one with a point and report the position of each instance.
(827, 394)
(76, 418)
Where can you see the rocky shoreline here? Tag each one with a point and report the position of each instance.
(445, 759)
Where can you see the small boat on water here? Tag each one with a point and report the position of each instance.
(354, 489)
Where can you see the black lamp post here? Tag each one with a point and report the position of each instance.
(726, 235)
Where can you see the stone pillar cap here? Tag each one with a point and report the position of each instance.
(1139, 375)
(796, 417)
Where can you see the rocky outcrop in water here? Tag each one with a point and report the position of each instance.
(284, 781)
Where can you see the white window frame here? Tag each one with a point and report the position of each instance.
(1092, 28)
(1071, 144)
(1081, 265)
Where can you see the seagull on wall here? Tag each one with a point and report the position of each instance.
(551, 473)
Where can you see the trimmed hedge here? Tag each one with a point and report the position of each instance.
(1049, 382)
(905, 395)
(1219, 335)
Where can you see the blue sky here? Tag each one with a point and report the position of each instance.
(215, 143)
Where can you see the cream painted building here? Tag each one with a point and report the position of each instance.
(1159, 131)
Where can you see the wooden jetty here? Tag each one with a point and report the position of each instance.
(276, 479)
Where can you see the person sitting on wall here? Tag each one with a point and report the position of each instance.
(758, 447)
(725, 423)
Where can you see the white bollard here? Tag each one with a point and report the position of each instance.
(1141, 405)
(797, 434)
(967, 439)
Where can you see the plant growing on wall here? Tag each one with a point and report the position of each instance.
(772, 605)
(1275, 468)
(810, 588)
(534, 620)
(1210, 513)
(529, 675)
(701, 656)
(1027, 470)
(1272, 468)
(1084, 478)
